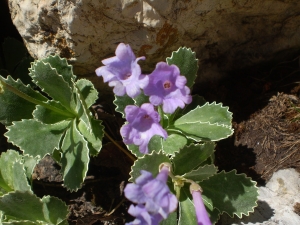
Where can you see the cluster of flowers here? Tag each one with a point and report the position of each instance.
(164, 86)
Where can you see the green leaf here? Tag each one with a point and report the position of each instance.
(186, 210)
(141, 99)
(13, 107)
(173, 143)
(208, 122)
(155, 143)
(13, 176)
(29, 164)
(24, 222)
(232, 193)
(36, 138)
(49, 116)
(26, 206)
(148, 162)
(75, 158)
(212, 113)
(190, 157)
(93, 137)
(135, 150)
(121, 102)
(55, 211)
(88, 91)
(82, 110)
(62, 67)
(171, 219)
(201, 173)
(187, 62)
(48, 79)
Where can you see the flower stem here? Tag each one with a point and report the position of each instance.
(120, 147)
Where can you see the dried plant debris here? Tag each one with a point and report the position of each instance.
(274, 135)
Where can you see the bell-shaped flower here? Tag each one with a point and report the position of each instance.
(123, 72)
(152, 196)
(201, 213)
(143, 124)
(167, 87)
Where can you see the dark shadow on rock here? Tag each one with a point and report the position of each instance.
(263, 212)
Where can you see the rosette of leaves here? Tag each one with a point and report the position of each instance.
(55, 120)
(18, 204)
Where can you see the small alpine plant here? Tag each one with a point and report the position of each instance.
(169, 133)
(166, 125)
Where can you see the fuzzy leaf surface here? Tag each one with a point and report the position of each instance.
(149, 162)
(82, 111)
(93, 137)
(173, 143)
(190, 157)
(201, 173)
(141, 99)
(13, 174)
(88, 91)
(121, 102)
(171, 219)
(48, 116)
(48, 79)
(187, 62)
(232, 193)
(13, 107)
(26, 206)
(210, 122)
(36, 138)
(62, 67)
(75, 158)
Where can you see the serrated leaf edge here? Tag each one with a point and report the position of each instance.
(40, 200)
(54, 69)
(84, 176)
(182, 48)
(201, 168)
(27, 120)
(93, 87)
(254, 185)
(160, 152)
(208, 104)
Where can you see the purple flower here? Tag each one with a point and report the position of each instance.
(152, 196)
(201, 213)
(167, 87)
(143, 124)
(123, 72)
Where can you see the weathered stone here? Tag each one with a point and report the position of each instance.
(226, 35)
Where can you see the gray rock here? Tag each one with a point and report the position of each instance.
(226, 35)
(276, 202)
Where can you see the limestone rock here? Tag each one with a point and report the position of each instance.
(226, 35)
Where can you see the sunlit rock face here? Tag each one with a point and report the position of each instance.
(226, 35)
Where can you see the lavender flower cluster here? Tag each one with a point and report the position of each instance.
(164, 86)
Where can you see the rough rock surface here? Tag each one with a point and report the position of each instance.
(278, 202)
(226, 35)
